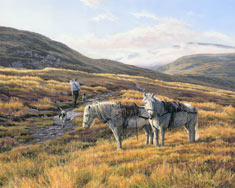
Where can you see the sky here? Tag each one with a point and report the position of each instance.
(139, 32)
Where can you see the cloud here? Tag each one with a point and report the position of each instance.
(215, 35)
(104, 17)
(133, 55)
(92, 3)
(194, 14)
(161, 56)
(145, 14)
(165, 32)
(157, 44)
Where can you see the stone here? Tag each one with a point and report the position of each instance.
(34, 111)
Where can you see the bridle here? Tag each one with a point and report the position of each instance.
(159, 115)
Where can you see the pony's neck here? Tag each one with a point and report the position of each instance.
(98, 112)
(158, 105)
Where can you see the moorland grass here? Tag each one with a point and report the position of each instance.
(89, 158)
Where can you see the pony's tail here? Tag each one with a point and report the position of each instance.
(196, 130)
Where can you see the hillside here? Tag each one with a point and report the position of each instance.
(24, 49)
(218, 68)
(35, 152)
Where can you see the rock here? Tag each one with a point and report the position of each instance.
(65, 93)
(57, 102)
(5, 87)
(34, 111)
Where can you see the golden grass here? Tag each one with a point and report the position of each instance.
(179, 164)
(207, 163)
(176, 85)
(13, 107)
(71, 162)
(44, 103)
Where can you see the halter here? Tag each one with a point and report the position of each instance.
(160, 115)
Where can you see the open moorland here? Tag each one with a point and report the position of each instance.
(213, 68)
(79, 157)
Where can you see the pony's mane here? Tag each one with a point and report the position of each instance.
(101, 104)
(105, 110)
(157, 99)
(188, 105)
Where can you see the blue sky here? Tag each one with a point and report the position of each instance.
(139, 32)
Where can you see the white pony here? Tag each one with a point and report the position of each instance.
(161, 118)
(111, 114)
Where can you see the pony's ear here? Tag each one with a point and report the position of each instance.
(145, 94)
(152, 94)
(89, 107)
(119, 103)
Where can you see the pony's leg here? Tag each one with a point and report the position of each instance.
(118, 137)
(188, 130)
(119, 142)
(147, 139)
(151, 137)
(192, 129)
(117, 134)
(154, 124)
(156, 136)
(146, 130)
(162, 135)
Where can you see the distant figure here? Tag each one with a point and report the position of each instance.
(75, 87)
(84, 97)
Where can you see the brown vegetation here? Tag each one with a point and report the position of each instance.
(89, 158)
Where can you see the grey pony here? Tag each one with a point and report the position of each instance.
(160, 119)
(110, 113)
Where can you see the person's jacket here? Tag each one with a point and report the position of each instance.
(75, 85)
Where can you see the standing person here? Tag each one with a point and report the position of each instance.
(75, 87)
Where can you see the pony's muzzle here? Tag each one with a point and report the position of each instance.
(151, 116)
(84, 125)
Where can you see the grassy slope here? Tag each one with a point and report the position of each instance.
(12, 41)
(36, 48)
(89, 158)
(211, 67)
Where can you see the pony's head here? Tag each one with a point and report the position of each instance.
(149, 103)
(88, 117)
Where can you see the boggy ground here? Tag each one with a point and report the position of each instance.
(89, 158)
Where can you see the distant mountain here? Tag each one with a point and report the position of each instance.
(169, 54)
(24, 49)
(218, 68)
(211, 44)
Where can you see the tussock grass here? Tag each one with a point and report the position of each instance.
(179, 164)
(89, 158)
(43, 103)
(13, 107)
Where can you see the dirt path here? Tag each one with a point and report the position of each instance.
(139, 88)
(56, 130)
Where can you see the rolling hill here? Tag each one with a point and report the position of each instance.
(29, 50)
(24, 49)
(218, 68)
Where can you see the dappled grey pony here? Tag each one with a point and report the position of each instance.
(161, 118)
(110, 113)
